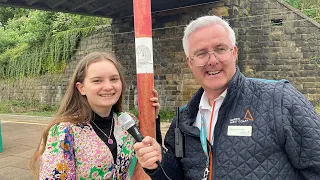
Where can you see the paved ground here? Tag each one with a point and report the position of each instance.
(20, 137)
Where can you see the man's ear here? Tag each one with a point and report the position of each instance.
(235, 52)
(80, 88)
(189, 62)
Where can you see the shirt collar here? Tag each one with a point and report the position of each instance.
(204, 102)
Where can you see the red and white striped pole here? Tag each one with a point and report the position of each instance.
(144, 65)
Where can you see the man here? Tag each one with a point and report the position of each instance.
(235, 127)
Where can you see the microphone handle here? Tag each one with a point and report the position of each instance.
(159, 164)
(134, 131)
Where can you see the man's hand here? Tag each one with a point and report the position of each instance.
(148, 152)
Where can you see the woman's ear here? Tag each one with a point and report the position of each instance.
(80, 88)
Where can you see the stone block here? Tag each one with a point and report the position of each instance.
(307, 73)
(311, 90)
(289, 30)
(310, 85)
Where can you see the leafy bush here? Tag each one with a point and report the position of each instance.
(309, 7)
(34, 42)
(7, 13)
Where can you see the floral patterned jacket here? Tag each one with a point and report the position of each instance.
(75, 151)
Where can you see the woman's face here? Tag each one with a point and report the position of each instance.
(102, 86)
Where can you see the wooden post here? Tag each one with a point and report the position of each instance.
(145, 77)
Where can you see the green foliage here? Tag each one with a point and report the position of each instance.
(294, 3)
(35, 108)
(31, 29)
(27, 108)
(309, 7)
(65, 22)
(314, 60)
(7, 41)
(7, 13)
(36, 42)
(134, 111)
(165, 115)
(9, 66)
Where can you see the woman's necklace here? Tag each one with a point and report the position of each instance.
(110, 141)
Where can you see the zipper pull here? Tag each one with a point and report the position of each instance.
(206, 173)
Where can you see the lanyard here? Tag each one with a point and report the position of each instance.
(203, 139)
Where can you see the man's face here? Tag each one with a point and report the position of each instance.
(215, 73)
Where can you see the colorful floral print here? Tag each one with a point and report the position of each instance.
(75, 151)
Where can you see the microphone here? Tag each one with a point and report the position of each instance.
(128, 124)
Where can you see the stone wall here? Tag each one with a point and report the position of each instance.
(274, 40)
(278, 42)
(46, 89)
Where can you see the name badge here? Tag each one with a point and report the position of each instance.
(239, 130)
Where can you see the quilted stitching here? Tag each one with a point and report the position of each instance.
(285, 144)
(259, 156)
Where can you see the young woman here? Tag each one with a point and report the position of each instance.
(85, 140)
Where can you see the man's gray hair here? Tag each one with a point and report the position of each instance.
(203, 22)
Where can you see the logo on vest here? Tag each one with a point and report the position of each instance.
(247, 117)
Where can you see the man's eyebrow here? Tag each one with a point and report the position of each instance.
(220, 44)
(198, 50)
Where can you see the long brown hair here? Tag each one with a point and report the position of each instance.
(74, 107)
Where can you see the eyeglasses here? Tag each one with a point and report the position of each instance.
(201, 58)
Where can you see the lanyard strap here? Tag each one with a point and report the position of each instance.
(211, 118)
(203, 139)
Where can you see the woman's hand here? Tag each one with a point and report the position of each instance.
(155, 101)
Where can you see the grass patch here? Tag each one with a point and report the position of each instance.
(30, 108)
(34, 108)
(165, 115)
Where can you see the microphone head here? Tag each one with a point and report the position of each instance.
(126, 121)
